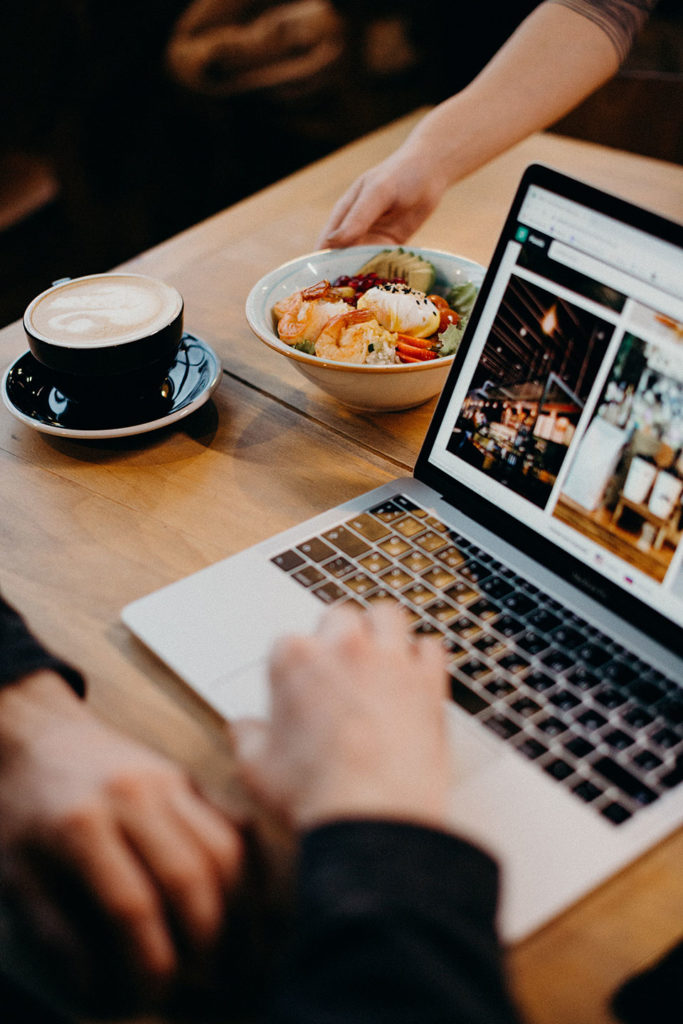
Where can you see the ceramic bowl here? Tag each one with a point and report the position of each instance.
(362, 388)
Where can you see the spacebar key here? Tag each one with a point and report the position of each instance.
(466, 698)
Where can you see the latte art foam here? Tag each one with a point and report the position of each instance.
(90, 312)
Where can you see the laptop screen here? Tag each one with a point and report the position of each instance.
(564, 408)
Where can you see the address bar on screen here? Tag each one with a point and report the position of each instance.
(599, 271)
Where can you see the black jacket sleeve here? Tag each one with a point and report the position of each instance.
(394, 924)
(21, 653)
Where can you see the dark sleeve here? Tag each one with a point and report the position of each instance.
(21, 653)
(393, 923)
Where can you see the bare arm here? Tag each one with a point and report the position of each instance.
(553, 61)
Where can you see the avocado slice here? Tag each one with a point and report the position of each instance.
(413, 269)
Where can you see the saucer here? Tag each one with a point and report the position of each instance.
(30, 396)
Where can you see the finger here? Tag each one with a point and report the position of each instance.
(339, 212)
(122, 887)
(219, 837)
(186, 853)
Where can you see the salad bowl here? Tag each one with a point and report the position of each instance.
(366, 387)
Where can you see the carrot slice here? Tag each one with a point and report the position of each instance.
(421, 354)
(416, 342)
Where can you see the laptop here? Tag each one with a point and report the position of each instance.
(540, 537)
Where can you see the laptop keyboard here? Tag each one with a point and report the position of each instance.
(587, 711)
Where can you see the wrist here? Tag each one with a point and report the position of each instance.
(30, 697)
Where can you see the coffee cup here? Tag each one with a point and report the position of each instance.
(105, 333)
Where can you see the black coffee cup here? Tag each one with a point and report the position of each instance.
(106, 335)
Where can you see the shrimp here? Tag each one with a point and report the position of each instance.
(346, 337)
(304, 313)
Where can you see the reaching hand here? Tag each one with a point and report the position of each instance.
(388, 203)
(114, 868)
(357, 726)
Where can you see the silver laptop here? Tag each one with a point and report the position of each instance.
(540, 537)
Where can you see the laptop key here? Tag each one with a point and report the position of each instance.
(394, 546)
(387, 511)
(339, 566)
(502, 726)
(666, 738)
(287, 560)
(592, 720)
(507, 625)
(409, 526)
(673, 778)
(593, 654)
(539, 681)
(532, 643)
(496, 587)
(559, 769)
(610, 698)
(543, 620)
(409, 505)
(531, 748)
(486, 610)
(464, 696)
(565, 700)
(624, 780)
(474, 572)
(374, 562)
(500, 687)
(579, 747)
(438, 577)
(513, 662)
(369, 527)
(552, 726)
(431, 541)
(350, 543)
(316, 549)
(452, 556)
(329, 593)
(647, 760)
(308, 576)
(557, 661)
(671, 710)
(582, 678)
(618, 739)
(615, 813)
(520, 604)
(588, 791)
(525, 707)
(417, 561)
(567, 636)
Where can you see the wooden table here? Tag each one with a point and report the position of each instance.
(87, 527)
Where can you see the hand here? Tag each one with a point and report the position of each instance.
(357, 727)
(114, 868)
(386, 204)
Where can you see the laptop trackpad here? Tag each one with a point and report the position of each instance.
(240, 693)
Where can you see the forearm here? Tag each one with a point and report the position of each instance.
(520, 91)
(393, 922)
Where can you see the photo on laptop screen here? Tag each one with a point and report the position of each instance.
(566, 410)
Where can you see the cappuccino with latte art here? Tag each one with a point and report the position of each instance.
(89, 312)
(123, 327)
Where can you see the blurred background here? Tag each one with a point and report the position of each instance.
(125, 122)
